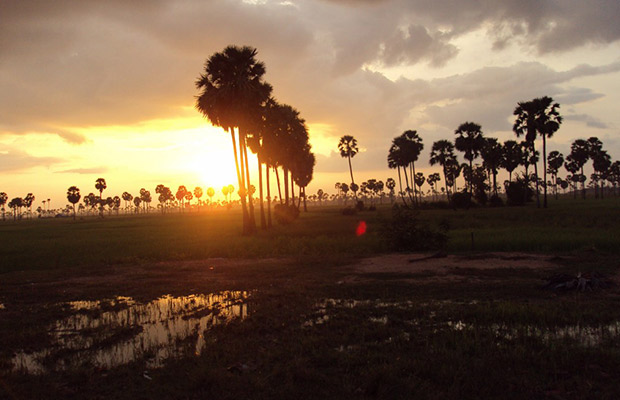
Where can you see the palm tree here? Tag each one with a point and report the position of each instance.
(580, 153)
(198, 194)
(601, 161)
(136, 202)
(16, 204)
(534, 117)
(3, 199)
(127, 197)
(210, 193)
(180, 195)
(470, 141)
(512, 156)
(442, 153)
(73, 195)
(492, 156)
(348, 148)
(232, 94)
(100, 185)
(390, 183)
(555, 159)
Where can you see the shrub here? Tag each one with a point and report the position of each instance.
(496, 201)
(359, 206)
(461, 200)
(407, 232)
(285, 214)
(518, 192)
(481, 196)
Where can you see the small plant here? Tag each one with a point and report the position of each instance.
(407, 232)
(496, 201)
(461, 200)
(519, 192)
(285, 214)
(359, 206)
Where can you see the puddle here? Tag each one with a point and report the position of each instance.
(106, 334)
(586, 336)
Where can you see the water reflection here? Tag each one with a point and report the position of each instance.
(106, 334)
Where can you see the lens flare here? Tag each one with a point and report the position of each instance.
(361, 228)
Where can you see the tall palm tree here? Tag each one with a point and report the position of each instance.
(442, 153)
(232, 94)
(180, 195)
(127, 198)
(470, 141)
(539, 116)
(210, 193)
(348, 149)
(73, 195)
(492, 156)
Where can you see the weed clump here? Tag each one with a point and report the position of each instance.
(407, 232)
(285, 214)
(348, 211)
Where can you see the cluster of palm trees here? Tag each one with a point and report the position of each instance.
(536, 118)
(234, 96)
(16, 204)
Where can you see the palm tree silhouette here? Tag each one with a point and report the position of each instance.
(73, 195)
(601, 161)
(442, 153)
(210, 193)
(579, 154)
(232, 94)
(3, 199)
(390, 183)
(512, 156)
(537, 116)
(198, 194)
(100, 185)
(348, 148)
(492, 156)
(127, 197)
(555, 159)
(470, 141)
(180, 195)
(136, 202)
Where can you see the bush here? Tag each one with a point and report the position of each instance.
(481, 197)
(496, 201)
(518, 192)
(372, 208)
(461, 200)
(359, 206)
(285, 214)
(406, 232)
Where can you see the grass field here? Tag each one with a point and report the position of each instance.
(316, 327)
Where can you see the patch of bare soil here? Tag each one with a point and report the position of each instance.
(448, 267)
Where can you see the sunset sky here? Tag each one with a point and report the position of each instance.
(93, 89)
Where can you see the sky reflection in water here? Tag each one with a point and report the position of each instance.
(164, 328)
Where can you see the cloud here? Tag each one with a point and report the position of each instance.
(589, 120)
(16, 160)
(86, 171)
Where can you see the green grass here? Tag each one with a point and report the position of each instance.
(60, 243)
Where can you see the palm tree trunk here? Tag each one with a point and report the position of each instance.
(241, 180)
(544, 170)
(268, 196)
(252, 217)
(305, 205)
(292, 190)
(583, 185)
(400, 184)
(407, 183)
(536, 176)
(471, 175)
(263, 223)
(279, 188)
(285, 186)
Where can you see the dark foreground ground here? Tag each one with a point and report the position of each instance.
(349, 323)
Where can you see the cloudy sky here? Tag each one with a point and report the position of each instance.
(94, 89)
